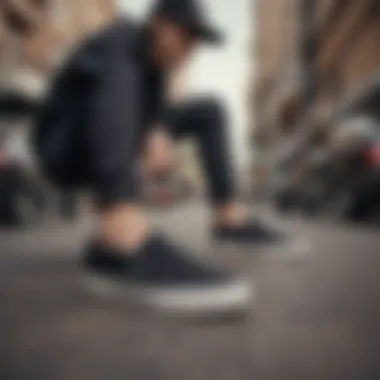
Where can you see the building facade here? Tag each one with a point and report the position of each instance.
(313, 57)
(35, 35)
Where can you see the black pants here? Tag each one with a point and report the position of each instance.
(107, 151)
(205, 121)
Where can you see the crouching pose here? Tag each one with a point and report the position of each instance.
(104, 105)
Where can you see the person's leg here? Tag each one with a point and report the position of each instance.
(125, 254)
(205, 119)
(111, 139)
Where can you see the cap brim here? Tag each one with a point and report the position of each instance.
(209, 35)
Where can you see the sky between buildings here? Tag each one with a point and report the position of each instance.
(226, 71)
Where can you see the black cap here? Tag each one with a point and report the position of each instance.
(190, 15)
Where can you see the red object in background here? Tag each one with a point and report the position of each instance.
(372, 156)
(3, 161)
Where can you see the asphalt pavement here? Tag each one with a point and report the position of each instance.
(317, 315)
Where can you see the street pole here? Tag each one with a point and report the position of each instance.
(309, 47)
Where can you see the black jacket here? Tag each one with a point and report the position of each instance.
(87, 92)
(121, 47)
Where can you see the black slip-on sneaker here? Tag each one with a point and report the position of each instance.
(166, 278)
(257, 234)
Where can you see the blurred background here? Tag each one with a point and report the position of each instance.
(302, 82)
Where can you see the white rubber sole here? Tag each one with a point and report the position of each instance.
(234, 297)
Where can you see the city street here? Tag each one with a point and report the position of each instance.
(317, 315)
(98, 95)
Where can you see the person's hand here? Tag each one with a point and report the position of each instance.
(158, 156)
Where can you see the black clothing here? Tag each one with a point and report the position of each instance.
(101, 104)
(164, 277)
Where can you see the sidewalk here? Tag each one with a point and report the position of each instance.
(316, 318)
